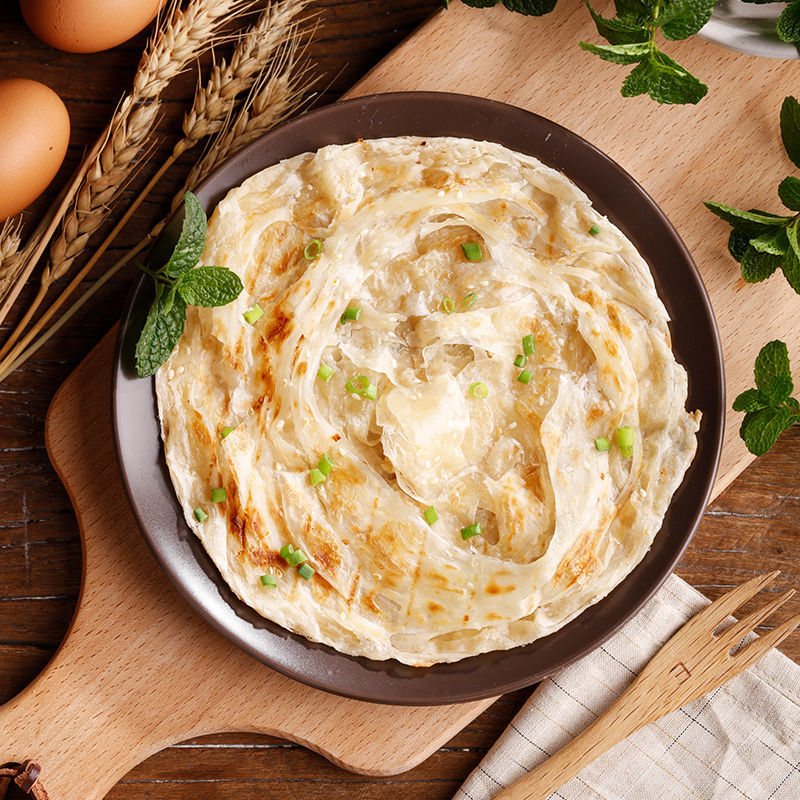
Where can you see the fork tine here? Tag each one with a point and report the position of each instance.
(752, 652)
(747, 624)
(724, 606)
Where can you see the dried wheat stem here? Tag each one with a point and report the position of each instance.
(10, 256)
(276, 96)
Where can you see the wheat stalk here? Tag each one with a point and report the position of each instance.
(184, 34)
(280, 83)
(277, 94)
(10, 257)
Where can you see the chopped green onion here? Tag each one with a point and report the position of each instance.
(479, 390)
(324, 372)
(218, 495)
(297, 558)
(430, 515)
(594, 230)
(470, 299)
(351, 313)
(525, 376)
(357, 384)
(200, 515)
(520, 360)
(529, 344)
(286, 550)
(448, 305)
(602, 444)
(254, 314)
(306, 571)
(225, 432)
(472, 251)
(268, 580)
(470, 531)
(316, 476)
(625, 440)
(360, 384)
(312, 250)
(325, 465)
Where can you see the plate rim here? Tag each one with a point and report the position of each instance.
(408, 686)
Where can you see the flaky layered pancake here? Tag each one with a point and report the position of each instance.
(442, 418)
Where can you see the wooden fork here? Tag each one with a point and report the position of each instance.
(692, 663)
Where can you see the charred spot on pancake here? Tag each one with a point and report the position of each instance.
(278, 327)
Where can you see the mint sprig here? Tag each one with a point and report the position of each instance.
(179, 283)
(769, 407)
(631, 37)
(763, 242)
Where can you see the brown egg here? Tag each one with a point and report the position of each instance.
(34, 134)
(87, 26)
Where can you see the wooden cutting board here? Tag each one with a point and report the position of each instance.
(139, 670)
(726, 148)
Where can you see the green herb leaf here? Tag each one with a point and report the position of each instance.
(664, 80)
(192, 240)
(772, 241)
(160, 334)
(761, 429)
(634, 12)
(619, 53)
(788, 27)
(683, 18)
(789, 193)
(618, 31)
(209, 286)
(751, 400)
(749, 221)
(781, 389)
(771, 362)
(790, 129)
(481, 3)
(791, 261)
(534, 8)
(738, 242)
(757, 266)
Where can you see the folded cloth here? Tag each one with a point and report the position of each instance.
(740, 741)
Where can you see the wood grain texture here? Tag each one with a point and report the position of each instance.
(752, 527)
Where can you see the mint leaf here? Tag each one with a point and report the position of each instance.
(761, 429)
(791, 261)
(751, 400)
(533, 8)
(191, 242)
(781, 389)
(617, 31)
(664, 80)
(751, 221)
(789, 193)
(209, 286)
(618, 53)
(738, 242)
(772, 241)
(160, 334)
(790, 129)
(634, 12)
(788, 28)
(683, 18)
(757, 266)
(772, 361)
(480, 3)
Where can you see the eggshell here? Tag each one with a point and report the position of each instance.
(34, 134)
(87, 26)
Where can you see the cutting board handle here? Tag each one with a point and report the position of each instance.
(139, 670)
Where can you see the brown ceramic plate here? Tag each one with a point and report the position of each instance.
(696, 344)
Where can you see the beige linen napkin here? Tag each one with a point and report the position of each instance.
(740, 741)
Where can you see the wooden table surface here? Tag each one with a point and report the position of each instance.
(752, 527)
